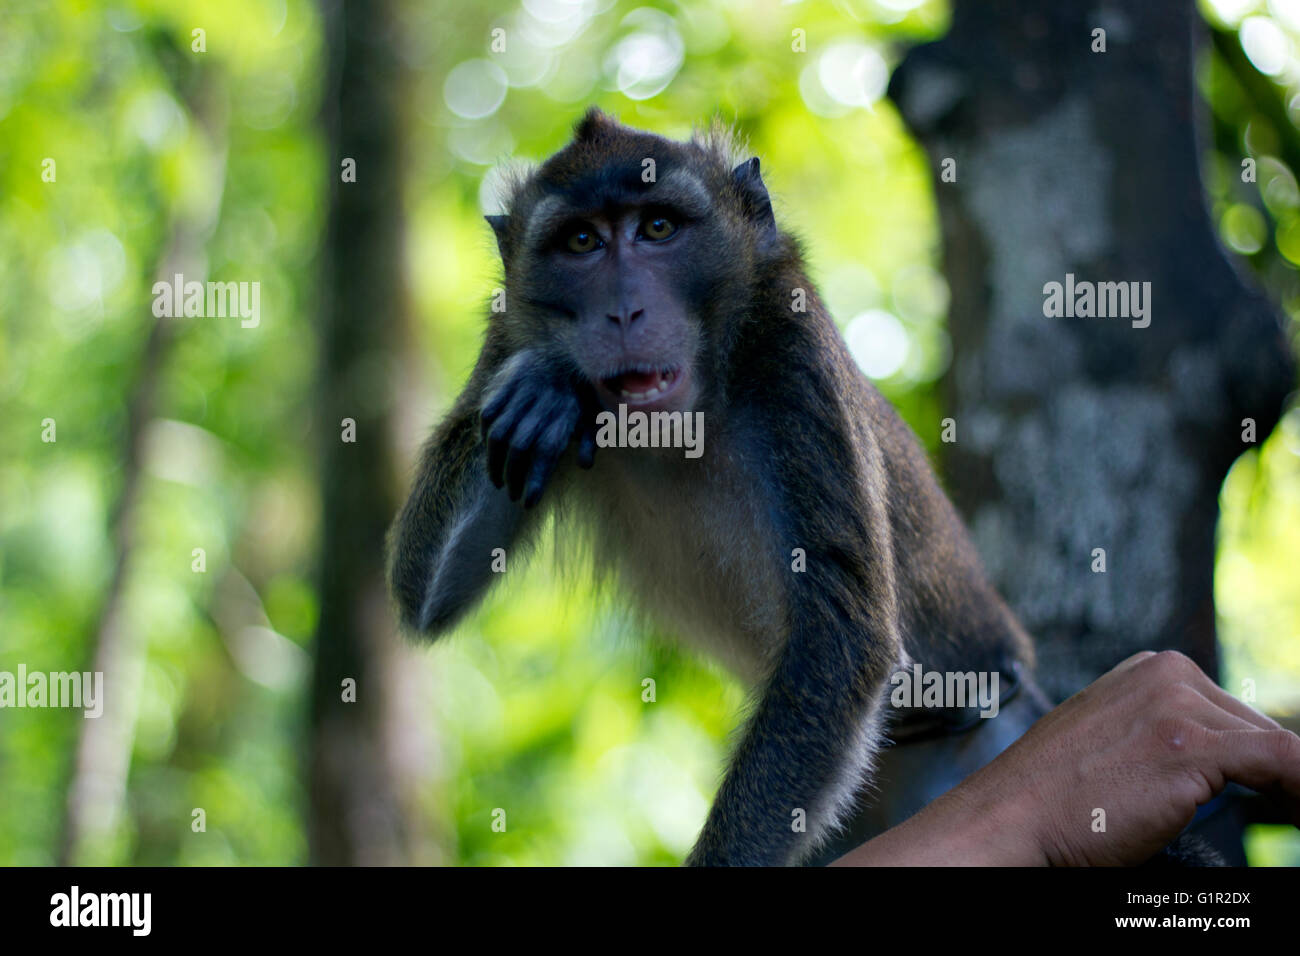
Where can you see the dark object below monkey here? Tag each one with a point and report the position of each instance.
(809, 547)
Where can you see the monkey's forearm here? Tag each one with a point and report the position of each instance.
(814, 729)
(508, 429)
(443, 542)
(799, 761)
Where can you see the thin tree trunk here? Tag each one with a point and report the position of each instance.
(97, 788)
(361, 777)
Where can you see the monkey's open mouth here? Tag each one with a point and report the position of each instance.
(642, 384)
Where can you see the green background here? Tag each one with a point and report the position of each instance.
(535, 704)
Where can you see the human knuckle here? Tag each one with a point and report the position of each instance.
(1164, 696)
(1283, 746)
(1180, 696)
(1174, 662)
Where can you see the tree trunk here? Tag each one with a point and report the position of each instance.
(97, 790)
(1082, 440)
(1086, 439)
(362, 796)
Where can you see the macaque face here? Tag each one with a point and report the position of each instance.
(624, 276)
(633, 331)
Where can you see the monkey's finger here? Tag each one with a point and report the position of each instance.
(498, 444)
(519, 458)
(537, 479)
(510, 400)
(548, 450)
(495, 404)
(587, 448)
(502, 435)
(522, 450)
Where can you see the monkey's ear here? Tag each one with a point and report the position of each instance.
(500, 225)
(753, 193)
(593, 123)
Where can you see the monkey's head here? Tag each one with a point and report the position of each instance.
(630, 257)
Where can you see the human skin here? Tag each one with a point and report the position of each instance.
(1147, 742)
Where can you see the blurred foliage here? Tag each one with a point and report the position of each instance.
(535, 705)
(1250, 77)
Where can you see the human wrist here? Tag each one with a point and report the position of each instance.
(961, 828)
(996, 829)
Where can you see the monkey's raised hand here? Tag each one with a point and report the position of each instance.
(509, 428)
(529, 417)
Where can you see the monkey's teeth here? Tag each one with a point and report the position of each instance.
(665, 379)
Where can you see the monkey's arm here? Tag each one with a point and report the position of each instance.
(812, 733)
(501, 441)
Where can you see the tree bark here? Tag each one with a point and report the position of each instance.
(362, 792)
(1077, 434)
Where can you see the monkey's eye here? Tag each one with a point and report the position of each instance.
(658, 228)
(582, 240)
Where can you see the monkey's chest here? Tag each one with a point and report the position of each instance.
(693, 553)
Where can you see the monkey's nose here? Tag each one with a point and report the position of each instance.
(623, 317)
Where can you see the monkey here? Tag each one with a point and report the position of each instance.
(809, 547)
